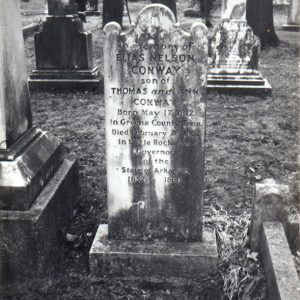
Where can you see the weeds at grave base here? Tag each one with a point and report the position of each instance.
(240, 268)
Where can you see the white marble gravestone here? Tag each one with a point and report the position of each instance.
(155, 94)
(234, 53)
(155, 120)
(294, 12)
(293, 21)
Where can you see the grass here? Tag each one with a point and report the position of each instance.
(249, 138)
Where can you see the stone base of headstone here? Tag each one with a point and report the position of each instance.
(252, 83)
(64, 55)
(93, 13)
(66, 79)
(153, 258)
(291, 27)
(26, 167)
(31, 241)
(193, 13)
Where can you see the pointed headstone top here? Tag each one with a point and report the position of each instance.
(62, 7)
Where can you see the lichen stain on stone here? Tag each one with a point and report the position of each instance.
(161, 210)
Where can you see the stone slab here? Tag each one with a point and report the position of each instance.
(238, 84)
(84, 74)
(23, 178)
(67, 84)
(291, 27)
(282, 279)
(31, 241)
(153, 258)
(31, 29)
(93, 13)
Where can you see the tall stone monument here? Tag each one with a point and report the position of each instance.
(234, 53)
(36, 182)
(63, 50)
(155, 94)
(293, 22)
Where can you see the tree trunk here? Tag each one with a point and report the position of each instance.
(112, 11)
(259, 16)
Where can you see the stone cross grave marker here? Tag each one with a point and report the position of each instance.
(155, 126)
(155, 94)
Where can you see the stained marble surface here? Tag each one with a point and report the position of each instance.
(15, 112)
(155, 93)
(234, 48)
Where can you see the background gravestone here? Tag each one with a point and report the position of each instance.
(63, 50)
(293, 22)
(155, 93)
(38, 187)
(234, 53)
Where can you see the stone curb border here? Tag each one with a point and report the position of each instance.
(282, 278)
(31, 29)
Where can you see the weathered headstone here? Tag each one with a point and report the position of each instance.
(155, 93)
(34, 176)
(63, 50)
(293, 22)
(234, 53)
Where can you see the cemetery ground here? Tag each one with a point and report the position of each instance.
(249, 138)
